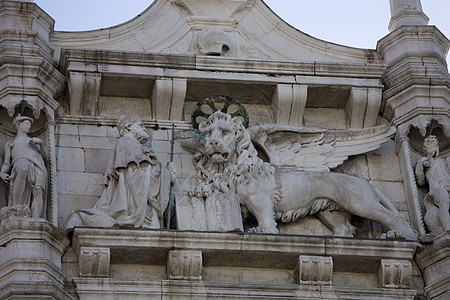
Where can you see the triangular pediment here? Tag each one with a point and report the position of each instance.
(229, 28)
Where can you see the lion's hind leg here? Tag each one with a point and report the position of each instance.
(370, 203)
(338, 221)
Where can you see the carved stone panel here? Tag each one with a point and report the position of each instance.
(191, 213)
(395, 273)
(184, 265)
(94, 262)
(223, 212)
(315, 270)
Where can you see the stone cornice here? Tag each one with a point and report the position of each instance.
(112, 121)
(100, 61)
(173, 25)
(429, 35)
(282, 247)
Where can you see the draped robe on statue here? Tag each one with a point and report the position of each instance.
(136, 194)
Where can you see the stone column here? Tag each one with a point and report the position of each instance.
(406, 12)
(30, 260)
(52, 184)
(434, 262)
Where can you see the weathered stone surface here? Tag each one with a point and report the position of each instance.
(383, 163)
(70, 159)
(395, 273)
(30, 256)
(315, 270)
(24, 169)
(94, 261)
(227, 160)
(184, 265)
(158, 66)
(434, 262)
(135, 194)
(268, 262)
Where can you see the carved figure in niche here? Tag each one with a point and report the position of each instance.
(436, 172)
(137, 188)
(227, 160)
(24, 169)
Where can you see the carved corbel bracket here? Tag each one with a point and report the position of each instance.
(168, 98)
(184, 265)
(395, 274)
(315, 270)
(94, 261)
(84, 90)
(362, 107)
(289, 101)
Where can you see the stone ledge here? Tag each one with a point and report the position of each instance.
(87, 60)
(33, 290)
(242, 249)
(88, 288)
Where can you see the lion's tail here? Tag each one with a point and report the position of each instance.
(385, 200)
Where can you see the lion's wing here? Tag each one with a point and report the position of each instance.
(310, 148)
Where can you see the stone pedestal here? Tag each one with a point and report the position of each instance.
(30, 260)
(160, 264)
(434, 261)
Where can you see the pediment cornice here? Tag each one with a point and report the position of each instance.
(248, 28)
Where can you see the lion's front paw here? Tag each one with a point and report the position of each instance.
(260, 229)
(200, 191)
(393, 234)
(400, 234)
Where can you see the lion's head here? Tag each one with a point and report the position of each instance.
(227, 142)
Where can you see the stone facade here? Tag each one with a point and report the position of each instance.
(360, 115)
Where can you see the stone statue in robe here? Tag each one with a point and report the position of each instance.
(24, 169)
(137, 189)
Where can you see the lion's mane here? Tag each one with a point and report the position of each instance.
(243, 166)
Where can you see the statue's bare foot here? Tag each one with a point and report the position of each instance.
(260, 229)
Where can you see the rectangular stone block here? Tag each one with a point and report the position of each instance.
(162, 135)
(392, 190)
(184, 265)
(77, 183)
(68, 141)
(97, 142)
(384, 164)
(96, 160)
(70, 159)
(66, 129)
(68, 203)
(315, 270)
(94, 261)
(395, 274)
